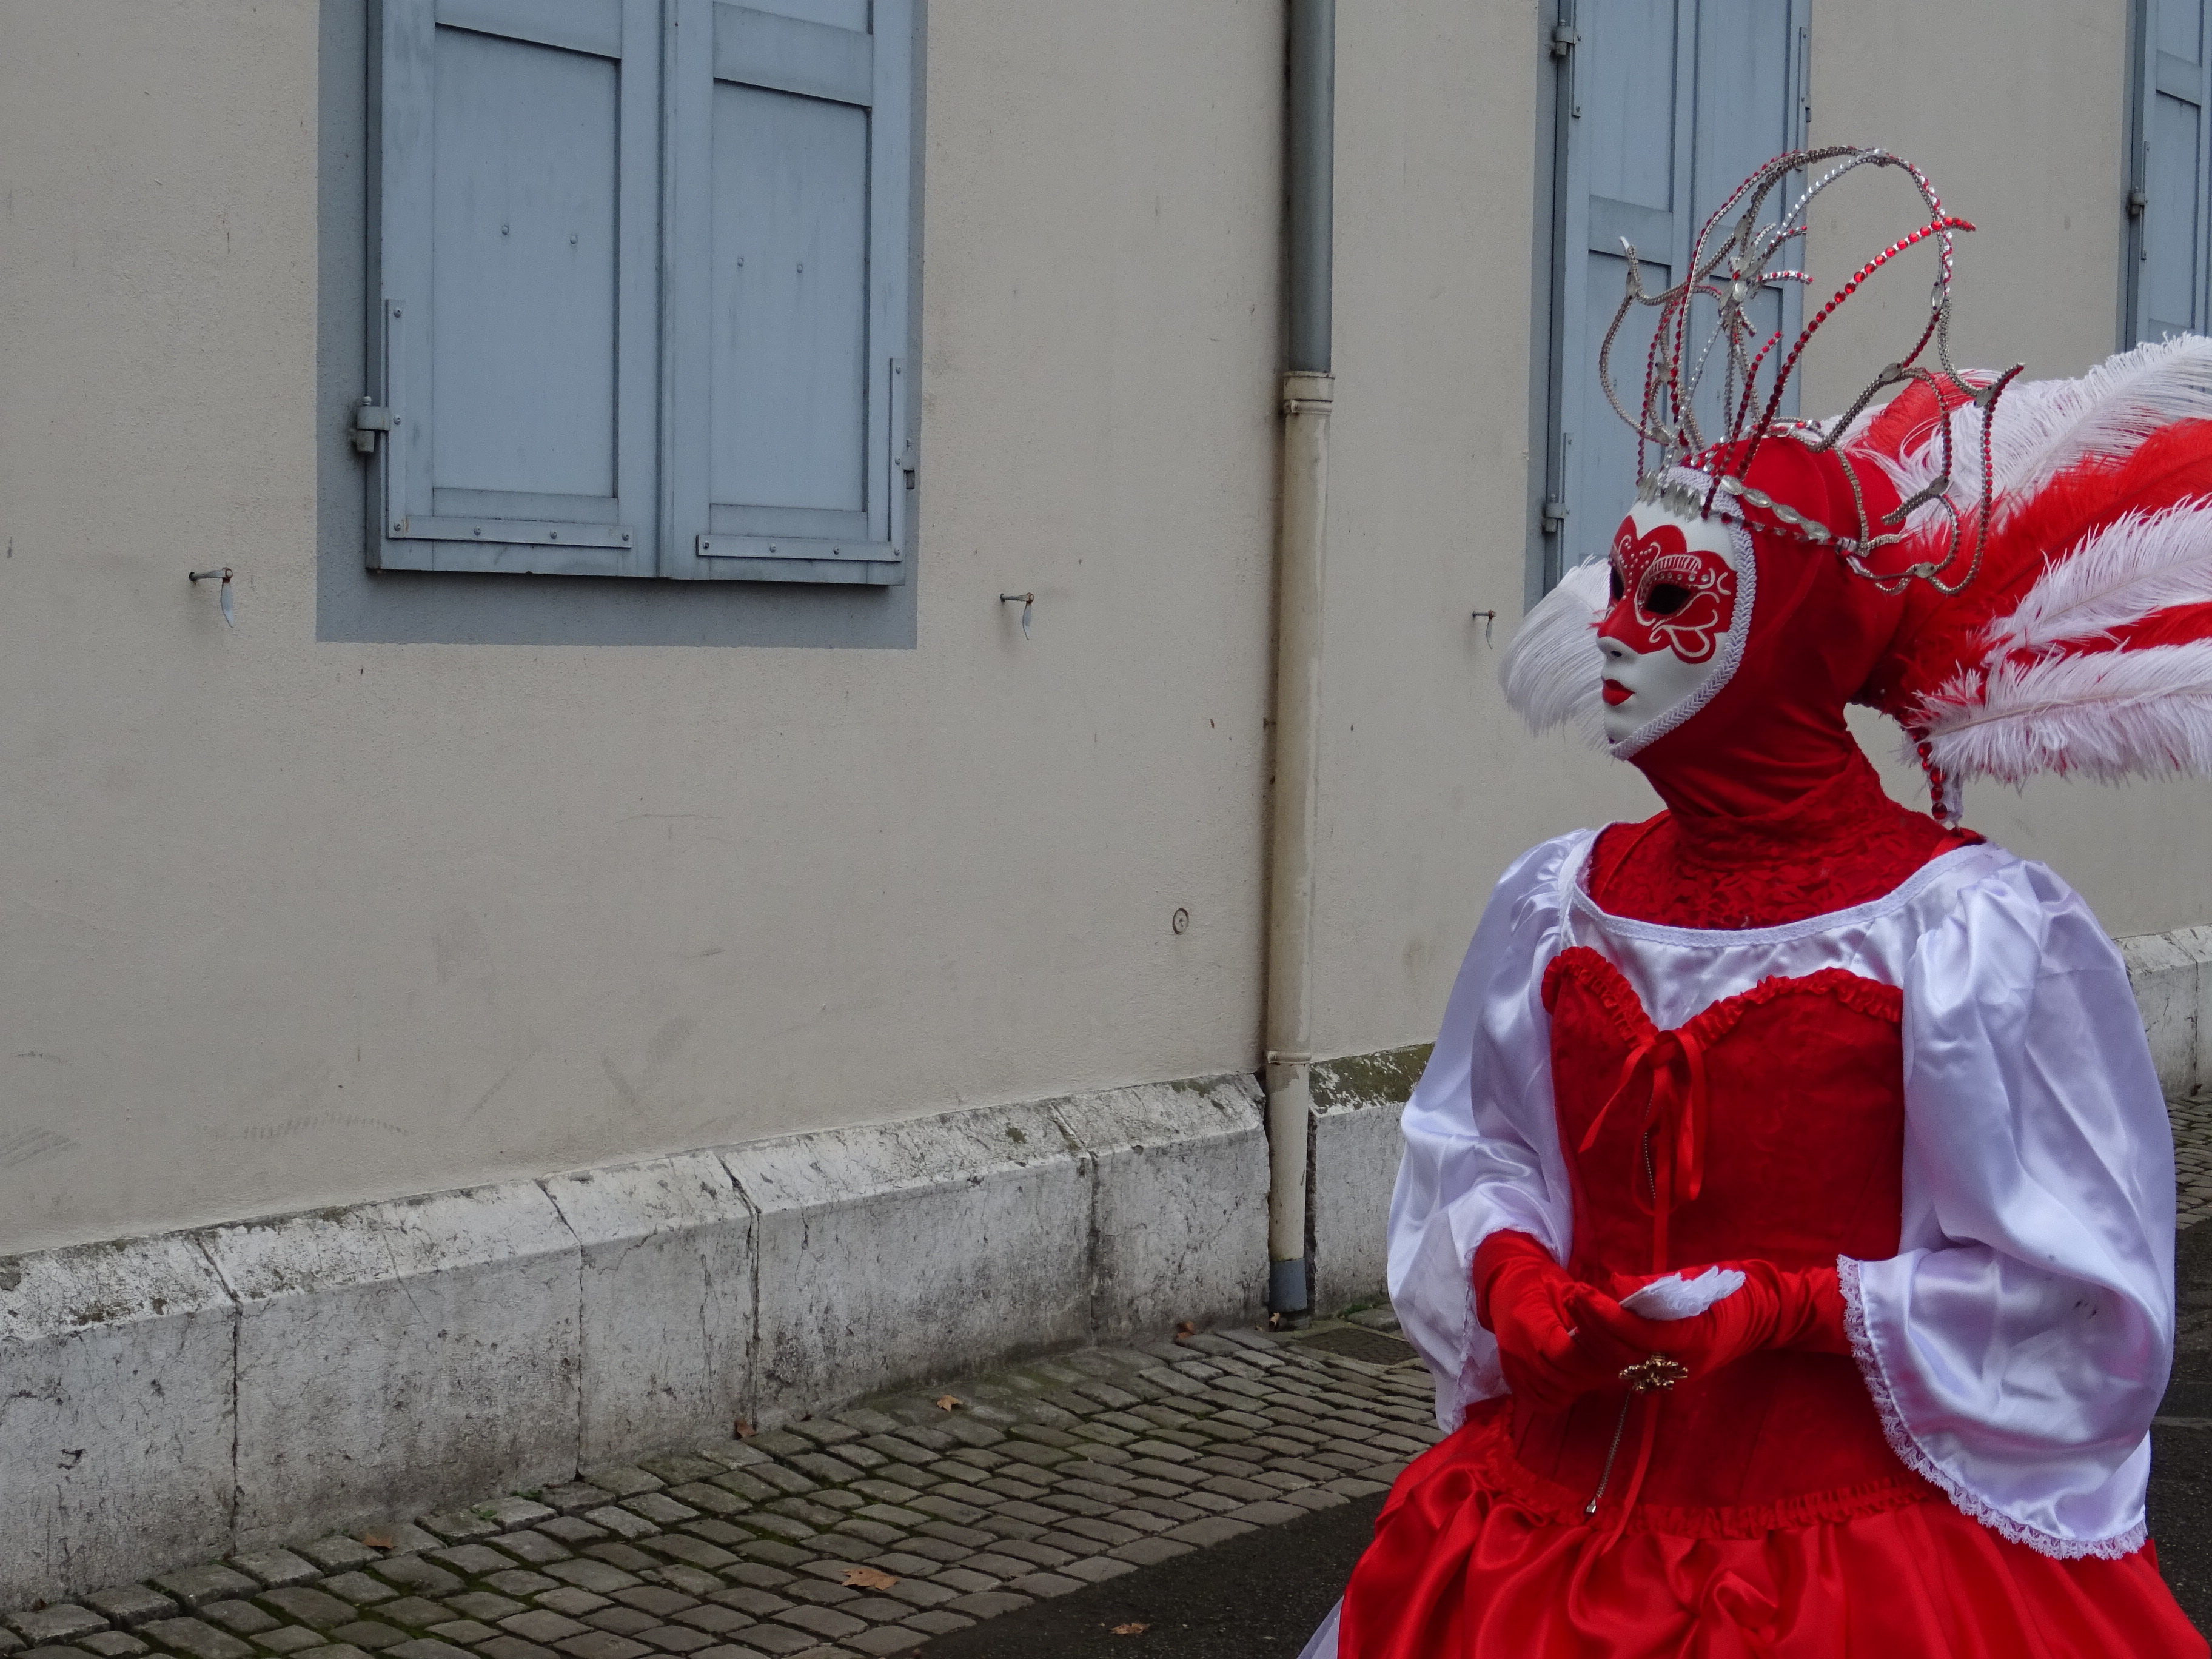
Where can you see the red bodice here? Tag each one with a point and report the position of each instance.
(1782, 1108)
(1776, 1132)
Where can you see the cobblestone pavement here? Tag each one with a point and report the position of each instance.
(2192, 1157)
(866, 1531)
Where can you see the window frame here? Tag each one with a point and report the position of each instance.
(647, 537)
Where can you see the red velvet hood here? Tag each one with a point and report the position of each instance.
(1775, 732)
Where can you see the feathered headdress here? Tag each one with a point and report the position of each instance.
(2053, 540)
(2084, 642)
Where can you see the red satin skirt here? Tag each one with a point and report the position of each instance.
(1476, 1557)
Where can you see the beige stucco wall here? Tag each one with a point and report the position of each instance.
(286, 923)
(1429, 785)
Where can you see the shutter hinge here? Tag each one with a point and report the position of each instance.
(1555, 517)
(367, 421)
(1564, 39)
(905, 461)
(2137, 203)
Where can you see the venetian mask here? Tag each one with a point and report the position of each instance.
(1669, 636)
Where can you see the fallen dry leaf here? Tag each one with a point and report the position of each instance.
(1184, 1330)
(1130, 1630)
(377, 1540)
(869, 1578)
(741, 1430)
(948, 1402)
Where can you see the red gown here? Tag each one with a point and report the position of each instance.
(1771, 1519)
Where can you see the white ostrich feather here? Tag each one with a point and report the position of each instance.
(1553, 671)
(2108, 715)
(2107, 412)
(2140, 563)
(2043, 427)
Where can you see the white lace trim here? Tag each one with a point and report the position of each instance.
(1908, 1450)
(1732, 643)
(1466, 1387)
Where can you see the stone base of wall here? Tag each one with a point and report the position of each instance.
(1358, 1101)
(2172, 974)
(229, 1384)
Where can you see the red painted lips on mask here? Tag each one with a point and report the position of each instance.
(1669, 594)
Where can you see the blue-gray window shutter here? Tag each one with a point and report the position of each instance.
(788, 144)
(516, 219)
(1628, 83)
(1750, 107)
(1670, 104)
(2168, 172)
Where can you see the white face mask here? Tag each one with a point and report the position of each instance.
(1675, 629)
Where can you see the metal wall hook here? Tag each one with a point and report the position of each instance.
(1488, 617)
(229, 606)
(1028, 603)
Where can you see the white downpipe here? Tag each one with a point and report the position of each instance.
(1306, 402)
(1309, 388)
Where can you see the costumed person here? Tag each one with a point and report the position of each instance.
(1787, 1210)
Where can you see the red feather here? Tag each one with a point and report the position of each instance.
(1943, 636)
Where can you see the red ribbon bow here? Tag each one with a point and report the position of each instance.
(1670, 1067)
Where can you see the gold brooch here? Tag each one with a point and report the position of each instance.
(1658, 1372)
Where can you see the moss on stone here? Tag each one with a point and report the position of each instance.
(1384, 1078)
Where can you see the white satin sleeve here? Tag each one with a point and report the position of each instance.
(2018, 1345)
(1482, 1148)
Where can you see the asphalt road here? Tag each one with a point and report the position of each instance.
(2181, 1442)
(1255, 1597)
(1261, 1596)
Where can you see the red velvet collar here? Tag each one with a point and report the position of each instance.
(1842, 842)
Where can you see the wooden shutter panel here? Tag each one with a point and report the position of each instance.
(1628, 81)
(1670, 104)
(788, 147)
(1749, 109)
(516, 214)
(2167, 281)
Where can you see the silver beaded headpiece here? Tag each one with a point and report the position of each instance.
(1728, 269)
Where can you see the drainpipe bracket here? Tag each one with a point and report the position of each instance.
(1305, 392)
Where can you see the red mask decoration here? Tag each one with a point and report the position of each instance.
(1674, 597)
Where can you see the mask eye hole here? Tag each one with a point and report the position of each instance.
(1665, 598)
(1615, 590)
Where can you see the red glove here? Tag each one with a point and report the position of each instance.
(1777, 1308)
(1524, 1296)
